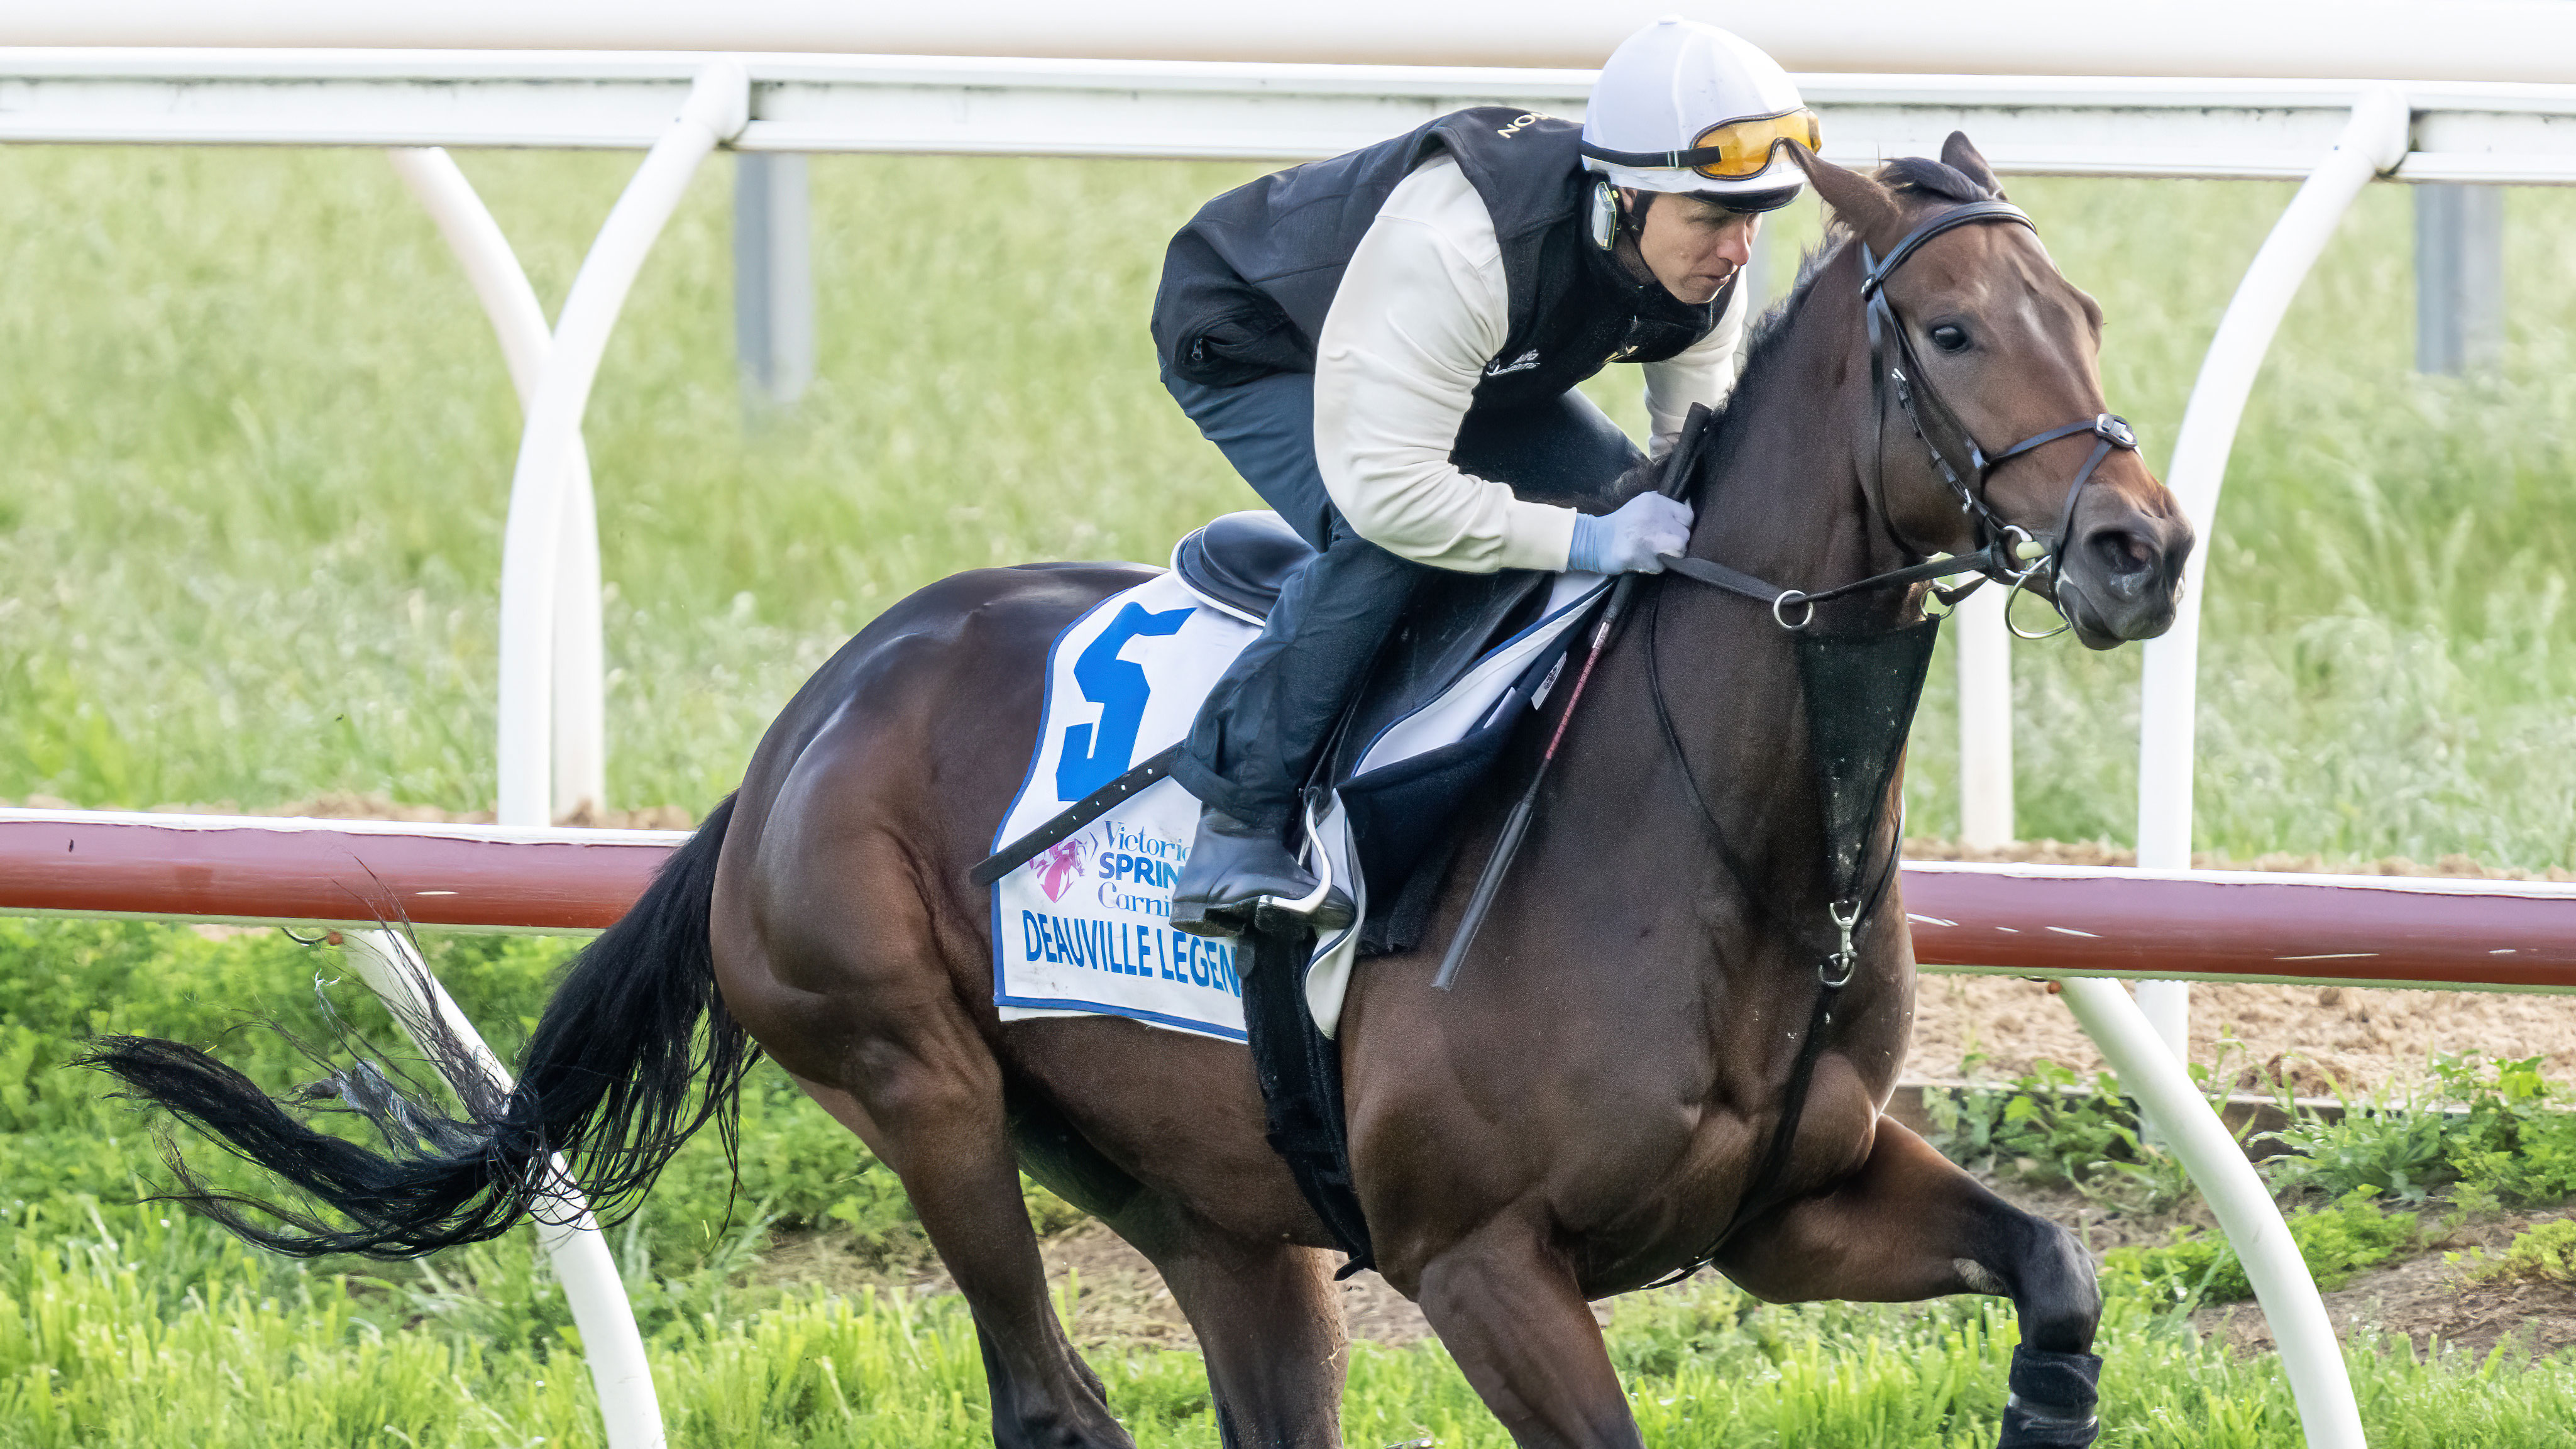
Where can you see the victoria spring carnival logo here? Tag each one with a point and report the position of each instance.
(1057, 867)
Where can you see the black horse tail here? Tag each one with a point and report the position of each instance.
(634, 1053)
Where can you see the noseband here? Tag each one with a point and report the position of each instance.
(2013, 556)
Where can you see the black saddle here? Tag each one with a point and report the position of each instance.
(1239, 561)
(1399, 816)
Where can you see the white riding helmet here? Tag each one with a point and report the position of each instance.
(1684, 106)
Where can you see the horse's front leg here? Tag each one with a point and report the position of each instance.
(1912, 1225)
(1506, 1305)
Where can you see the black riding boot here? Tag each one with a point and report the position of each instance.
(1241, 877)
(1259, 734)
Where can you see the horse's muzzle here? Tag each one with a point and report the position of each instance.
(2124, 579)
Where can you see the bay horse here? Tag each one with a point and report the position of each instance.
(1588, 1112)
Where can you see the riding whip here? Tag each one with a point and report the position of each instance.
(1676, 473)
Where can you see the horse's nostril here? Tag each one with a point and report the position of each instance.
(2122, 553)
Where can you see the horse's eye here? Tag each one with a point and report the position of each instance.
(1950, 337)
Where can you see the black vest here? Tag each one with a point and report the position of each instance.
(1247, 283)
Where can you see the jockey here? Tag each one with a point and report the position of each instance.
(1385, 346)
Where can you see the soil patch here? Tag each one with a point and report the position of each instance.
(2430, 1300)
(2315, 1037)
(1119, 1299)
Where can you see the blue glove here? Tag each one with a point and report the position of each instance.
(1629, 540)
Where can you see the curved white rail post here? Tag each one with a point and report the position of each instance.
(1985, 719)
(597, 1297)
(501, 284)
(2372, 143)
(718, 107)
(2310, 1354)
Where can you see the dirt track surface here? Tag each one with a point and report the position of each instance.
(2428, 1299)
(2315, 1037)
(1122, 1302)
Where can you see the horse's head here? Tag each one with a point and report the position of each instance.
(1997, 347)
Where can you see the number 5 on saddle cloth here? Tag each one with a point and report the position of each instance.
(1097, 835)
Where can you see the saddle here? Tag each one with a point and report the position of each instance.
(1240, 561)
(1398, 815)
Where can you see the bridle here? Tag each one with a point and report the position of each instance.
(2008, 546)
(2006, 552)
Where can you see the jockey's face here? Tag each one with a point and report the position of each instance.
(1692, 245)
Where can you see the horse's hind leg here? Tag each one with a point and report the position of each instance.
(1912, 1225)
(936, 1118)
(1268, 1320)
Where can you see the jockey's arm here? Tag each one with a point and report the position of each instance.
(1420, 311)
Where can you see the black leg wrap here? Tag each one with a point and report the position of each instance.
(2052, 1400)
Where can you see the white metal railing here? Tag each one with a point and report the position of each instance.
(2334, 135)
(2531, 40)
(2029, 125)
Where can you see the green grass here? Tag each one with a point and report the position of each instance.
(98, 1349)
(123, 1323)
(260, 439)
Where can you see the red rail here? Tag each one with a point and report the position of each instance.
(336, 872)
(2013, 919)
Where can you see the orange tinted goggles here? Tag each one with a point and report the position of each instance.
(1739, 149)
(1727, 152)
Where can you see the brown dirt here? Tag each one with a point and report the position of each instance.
(1120, 1299)
(2429, 1298)
(2313, 1036)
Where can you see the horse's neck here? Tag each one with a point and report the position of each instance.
(1781, 499)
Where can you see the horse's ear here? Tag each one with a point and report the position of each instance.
(1858, 202)
(1960, 155)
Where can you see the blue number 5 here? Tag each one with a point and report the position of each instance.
(1119, 687)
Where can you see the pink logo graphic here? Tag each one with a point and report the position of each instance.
(1057, 868)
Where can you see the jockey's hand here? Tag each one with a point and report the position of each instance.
(1629, 540)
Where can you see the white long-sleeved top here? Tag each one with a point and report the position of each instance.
(1420, 314)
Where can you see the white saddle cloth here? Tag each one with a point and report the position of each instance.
(1084, 928)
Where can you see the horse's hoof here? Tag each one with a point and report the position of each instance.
(2052, 1401)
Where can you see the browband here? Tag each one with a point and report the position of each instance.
(1968, 214)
